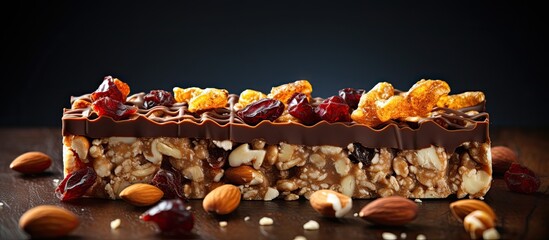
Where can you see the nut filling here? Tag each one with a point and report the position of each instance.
(285, 171)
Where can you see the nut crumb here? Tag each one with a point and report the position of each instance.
(421, 237)
(188, 208)
(223, 223)
(247, 218)
(300, 238)
(403, 235)
(264, 221)
(481, 198)
(355, 214)
(55, 182)
(389, 236)
(311, 225)
(418, 200)
(115, 223)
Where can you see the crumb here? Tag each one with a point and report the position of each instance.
(300, 238)
(264, 221)
(356, 214)
(188, 208)
(223, 223)
(490, 233)
(56, 182)
(247, 218)
(82, 209)
(1, 205)
(115, 223)
(481, 198)
(403, 235)
(421, 237)
(418, 200)
(388, 236)
(311, 225)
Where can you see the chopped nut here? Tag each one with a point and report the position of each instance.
(389, 236)
(421, 237)
(265, 221)
(403, 235)
(300, 238)
(311, 225)
(418, 200)
(115, 223)
(247, 218)
(223, 223)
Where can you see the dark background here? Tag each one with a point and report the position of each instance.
(55, 49)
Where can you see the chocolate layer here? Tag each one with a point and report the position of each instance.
(445, 128)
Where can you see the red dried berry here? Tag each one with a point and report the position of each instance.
(158, 98)
(169, 181)
(361, 154)
(300, 108)
(76, 184)
(521, 179)
(333, 109)
(264, 109)
(113, 108)
(171, 216)
(351, 96)
(108, 89)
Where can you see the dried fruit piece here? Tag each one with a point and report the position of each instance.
(300, 108)
(173, 217)
(361, 154)
(365, 112)
(462, 100)
(521, 179)
(333, 109)
(158, 98)
(284, 92)
(48, 221)
(209, 98)
(217, 157)
(264, 109)
(249, 96)
(123, 87)
(169, 181)
(424, 95)
(76, 184)
(113, 108)
(222, 200)
(80, 103)
(31, 162)
(390, 211)
(351, 96)
(186, 94)
(108, 88)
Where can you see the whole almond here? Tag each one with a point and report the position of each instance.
(243, 175)
(390, 211)
(141, 194)
(502, 157)
(330, 203)
(31, 162)
(222, 200)
(48, 221)
(461, 208)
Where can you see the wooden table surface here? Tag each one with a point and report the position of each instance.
(520, 216)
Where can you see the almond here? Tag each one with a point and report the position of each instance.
(390, 211)
(31, 162)
(48, 221)
(222, 200)
(476, 222)
(502, 157)
(243, 175)
(330, 203)
(141, 194)
(461, 208)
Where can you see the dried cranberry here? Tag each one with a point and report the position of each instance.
(76, 184)
(217, 157)
(351, 96)
(300, 108)
(158, 98)
(169, 181)
(113, 108)
(333, 109)
(171, 216)
(264, 109)
(521, 179)
(361, 154)
(108, 89)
